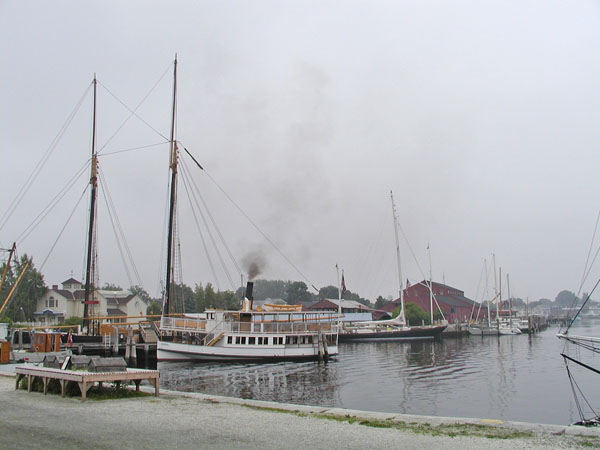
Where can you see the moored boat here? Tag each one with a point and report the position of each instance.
(249, 335)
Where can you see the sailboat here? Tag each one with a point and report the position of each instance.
(396, 328)
(245, 335)
(582, 351)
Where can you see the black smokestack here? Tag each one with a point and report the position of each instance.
(248, 304)
(249, 288)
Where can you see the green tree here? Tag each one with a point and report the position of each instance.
(154, 307)
(264, 289)
(332, 292)
(329, 292)
(140, 292)
(229, 300)
(297, 292)
(199, 298)
(380, 302)
(111, 287)
(210, 297)
(567, 299)
(73, 321)
(414, 314)
(31, 287)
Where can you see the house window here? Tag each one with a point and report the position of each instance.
(51, 302)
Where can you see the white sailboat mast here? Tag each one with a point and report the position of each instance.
(337, 269)
(430, 285)
(399, 265)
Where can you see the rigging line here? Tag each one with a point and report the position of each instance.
(211, 217)
(574, 391)
(589, 269)
(187, 190)
(133, 111)
(256, 227)
(590, 250)
(162, 259)
(39, 166)
(411, 250)
(52, 204)
(135, 148)
(582, 305)
(121, 232)
(112, 222)
(63, 229)
(578, 388)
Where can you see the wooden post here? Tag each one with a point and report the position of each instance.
(116, 342)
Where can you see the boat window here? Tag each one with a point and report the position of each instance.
(251, 340)
(229, 339)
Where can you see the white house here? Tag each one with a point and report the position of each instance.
(60, 304)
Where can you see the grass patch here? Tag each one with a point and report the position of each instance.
(114, 393)
(451, 430)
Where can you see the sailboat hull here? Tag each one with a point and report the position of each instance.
(370, 334)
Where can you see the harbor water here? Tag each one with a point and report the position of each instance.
(519, 378)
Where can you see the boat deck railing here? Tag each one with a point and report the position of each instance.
(264, 327)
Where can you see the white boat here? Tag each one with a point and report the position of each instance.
(246, 335)
(249, 335)
(482, 330)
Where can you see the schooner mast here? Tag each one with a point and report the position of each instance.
(173, 197)
(90, 270)
(401, 315)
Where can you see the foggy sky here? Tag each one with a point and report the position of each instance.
(482, 117)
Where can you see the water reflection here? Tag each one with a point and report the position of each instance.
(286, 382)
(508, 377)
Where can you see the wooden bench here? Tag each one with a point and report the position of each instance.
(84, 379)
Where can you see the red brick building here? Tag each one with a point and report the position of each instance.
(452, 301)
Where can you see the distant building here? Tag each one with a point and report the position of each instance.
(57, 305)
(452, 301)
(353, 311)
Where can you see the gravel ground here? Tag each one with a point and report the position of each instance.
(34, 421)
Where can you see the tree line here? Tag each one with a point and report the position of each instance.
(32, 287)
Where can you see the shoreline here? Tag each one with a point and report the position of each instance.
(256, 418)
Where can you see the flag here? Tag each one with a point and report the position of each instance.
(70, 339)
(343, 284)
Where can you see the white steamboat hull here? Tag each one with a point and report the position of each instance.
(176, 351)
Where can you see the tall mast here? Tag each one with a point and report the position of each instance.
(430, 285)
(172, 203)
(400, 283)
(91, 253)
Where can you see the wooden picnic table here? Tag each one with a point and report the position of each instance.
(84, 379)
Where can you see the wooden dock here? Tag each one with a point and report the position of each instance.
(84, 379)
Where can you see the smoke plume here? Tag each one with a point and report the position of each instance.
(254, 263)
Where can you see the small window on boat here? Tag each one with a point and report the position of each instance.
(229, 339)
(251, 341)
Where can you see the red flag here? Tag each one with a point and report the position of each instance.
(343, 284)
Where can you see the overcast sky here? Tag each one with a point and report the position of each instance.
(482, 117)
